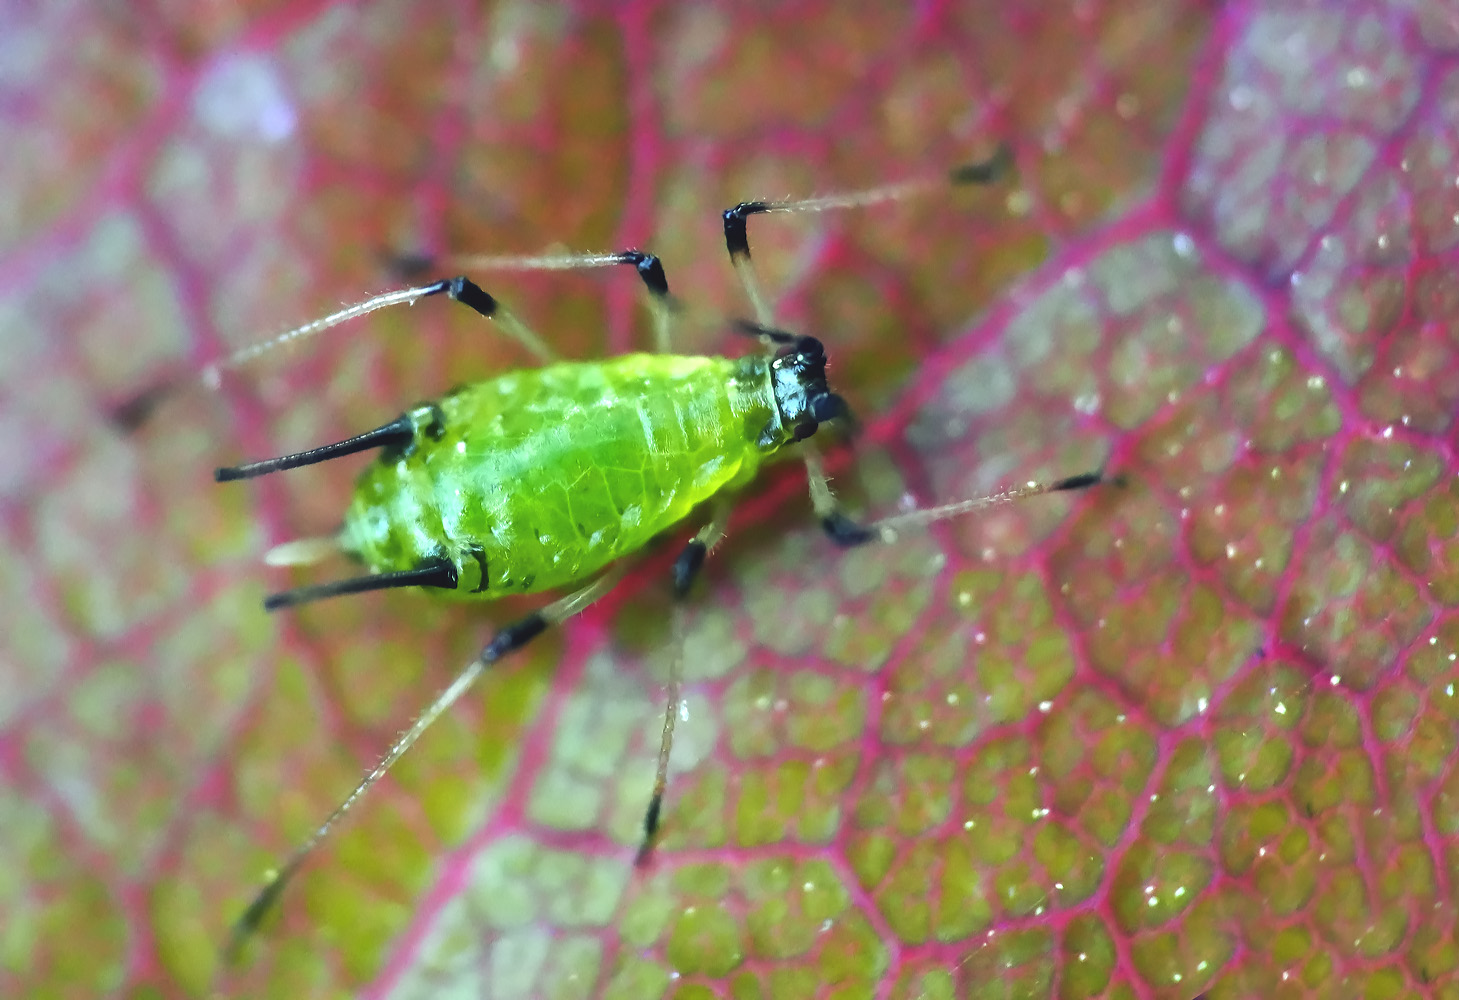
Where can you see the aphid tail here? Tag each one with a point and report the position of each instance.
(302, 551)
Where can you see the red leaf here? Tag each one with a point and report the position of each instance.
(1188, 733)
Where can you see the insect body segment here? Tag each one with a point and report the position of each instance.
(541, 478)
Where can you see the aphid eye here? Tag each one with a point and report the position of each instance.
(805, 430)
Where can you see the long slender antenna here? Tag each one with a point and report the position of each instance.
(736, 232)
(213, 373)
(439, 573)
(400, 432)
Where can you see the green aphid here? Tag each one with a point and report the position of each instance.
(546, 479)
(538, 479)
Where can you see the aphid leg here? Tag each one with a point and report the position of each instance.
(847, 533)
(508, 639)
(650, 269)
(686, 570)
(736, 235)
(469, 293)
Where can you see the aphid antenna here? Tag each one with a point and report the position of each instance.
(982, 172)
(887, 528)
(212, 374)
(661, 304)
(549, 262)
(650, 269)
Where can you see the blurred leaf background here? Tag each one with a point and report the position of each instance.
(1194, 733)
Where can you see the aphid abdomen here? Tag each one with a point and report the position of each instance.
(542, 477)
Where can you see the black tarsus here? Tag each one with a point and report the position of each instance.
(687, 566)
(650, 831)
(986, 171)
(436, 573)
(736, 229)
(736, 232)
(413, 266)
(245, 926)
(1080, 482)
(514, 636)
(466, 292)
(844, 531)
(650, 269)
(399, 432)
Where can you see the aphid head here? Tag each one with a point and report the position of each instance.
(798, 376)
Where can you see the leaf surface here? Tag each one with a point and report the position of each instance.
(1190, 732)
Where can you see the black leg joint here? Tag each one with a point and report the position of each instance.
(1080, 482)
(651, 818)
(736, 235)
(469, 293)
(686, 567)
(651, 270)
(514, 636)
(846, 532)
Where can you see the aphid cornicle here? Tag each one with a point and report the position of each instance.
(545, 479)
